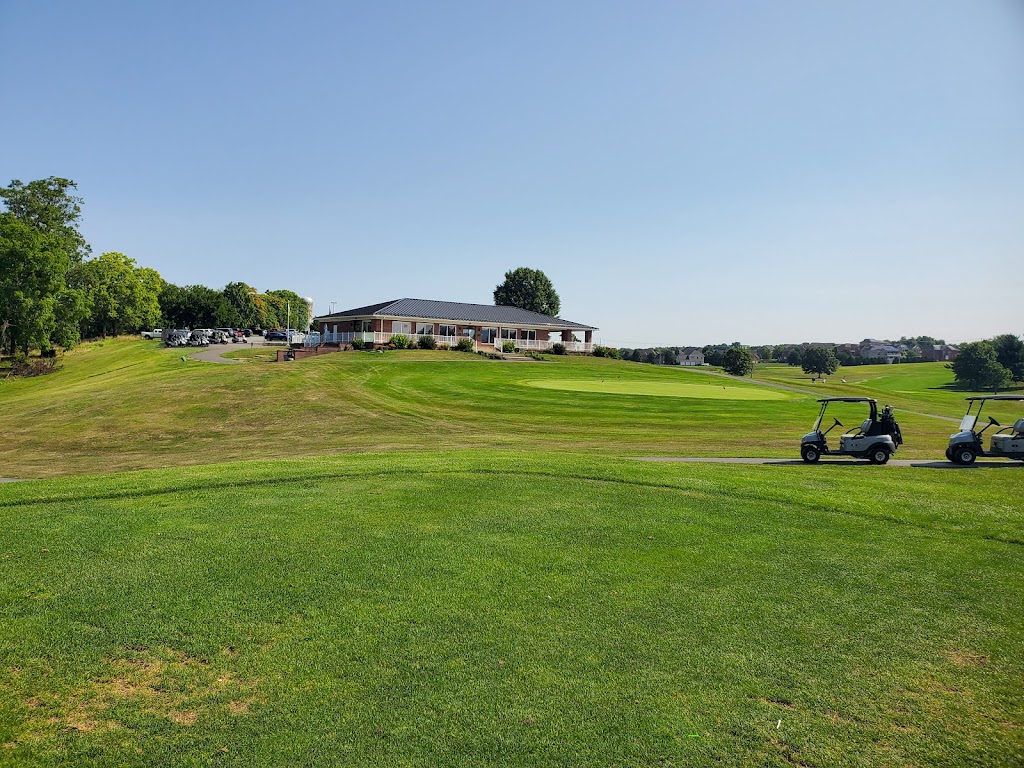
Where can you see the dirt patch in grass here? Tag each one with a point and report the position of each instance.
(786, 753)
(783, 703)
(164, 683)
(240, 707)
(963, 657)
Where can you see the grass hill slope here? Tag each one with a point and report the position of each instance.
(499, 608)
(128, 404)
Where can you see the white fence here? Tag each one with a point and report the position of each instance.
(340, 337)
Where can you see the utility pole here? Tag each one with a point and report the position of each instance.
(288, 324)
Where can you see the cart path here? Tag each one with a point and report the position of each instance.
(800, 390)
(929, 464)
(213, 354)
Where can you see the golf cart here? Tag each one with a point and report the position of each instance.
(965, 446)
(876, 440)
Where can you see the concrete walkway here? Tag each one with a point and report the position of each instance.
(212, 353)
(838, 462)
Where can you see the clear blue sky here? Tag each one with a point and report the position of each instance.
(685, 172)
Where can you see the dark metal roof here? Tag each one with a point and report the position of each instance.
(997, 397)
(427, 309)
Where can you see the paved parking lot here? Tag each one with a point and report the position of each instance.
(214, 352)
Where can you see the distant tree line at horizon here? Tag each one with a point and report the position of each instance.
(53, 293)
(993, 364)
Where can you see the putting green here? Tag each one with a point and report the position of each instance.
(614, 386)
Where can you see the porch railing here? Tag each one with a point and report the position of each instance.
(347, 337)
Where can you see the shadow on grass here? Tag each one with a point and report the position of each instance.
(916, 464)
(976, 465)
(953, 388)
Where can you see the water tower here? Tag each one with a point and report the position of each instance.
(309, 311)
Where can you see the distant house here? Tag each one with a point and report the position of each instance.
(883, 353)
(447, 321)
(939, 352)
(690, 356)
(853, 350)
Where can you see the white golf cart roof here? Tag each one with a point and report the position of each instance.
(850, 400)
(996, 397)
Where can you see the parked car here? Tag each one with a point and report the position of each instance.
(247, 332)
(156, 333)
(276, 336)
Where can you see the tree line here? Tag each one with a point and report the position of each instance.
(993, 364)
(980, 366)
(238, 305)
(53, 292)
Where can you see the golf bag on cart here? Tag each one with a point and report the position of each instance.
(889, 425)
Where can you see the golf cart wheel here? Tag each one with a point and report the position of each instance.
(949, 454)
(810, 454)
(964, 456)
(879, 455)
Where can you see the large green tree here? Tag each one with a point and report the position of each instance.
(819, 361)
(49, 206)
(1010, 354)
(194, 306)
(738, 361)
(123, 297)
(40, 251)
(528, 289)
(248, 311)
(287, 307)
(977, 368)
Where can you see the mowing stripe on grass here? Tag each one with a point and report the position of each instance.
(619, 386)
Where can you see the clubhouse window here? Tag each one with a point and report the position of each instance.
(424, 329)
(446, 330)
(488, 335)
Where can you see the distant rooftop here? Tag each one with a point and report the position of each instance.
(427, 309)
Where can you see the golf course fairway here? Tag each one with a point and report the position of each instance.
(496, 608)
(709, 391)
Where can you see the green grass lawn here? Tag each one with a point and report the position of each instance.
(688, 389)
(924, 387)
(129, 404)
(503, 608)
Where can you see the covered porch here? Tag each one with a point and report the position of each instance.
(489, 339)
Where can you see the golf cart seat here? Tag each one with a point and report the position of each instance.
(865, 428)
(1011, 442)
